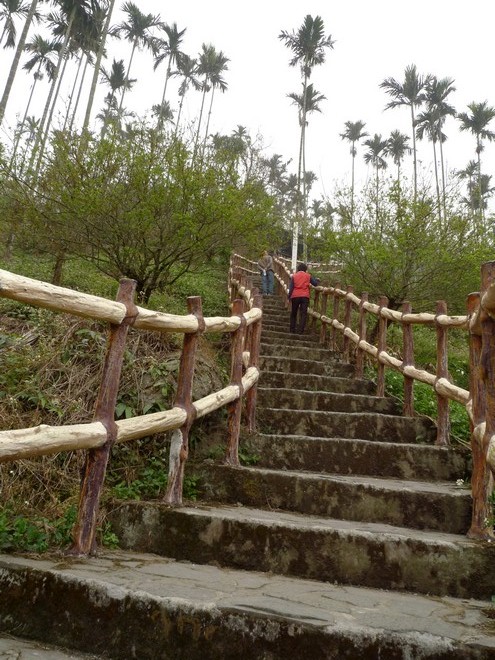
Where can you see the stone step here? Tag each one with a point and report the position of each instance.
(313, 382)
(126, 605)
(292, 399)
(301, 366)
(296, 350)
(414, 504)
(347, 552)
(360, 457)
(362, 425)
(274, 336)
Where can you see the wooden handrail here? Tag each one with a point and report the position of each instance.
(97, 437)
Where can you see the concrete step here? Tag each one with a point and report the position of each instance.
(300, 366)
(296, 350)
(414, 504)
(126, 605)
(292, 399)
(362, 425)
(273, 336)
(347, 552)
(360, 457)
(314, 382)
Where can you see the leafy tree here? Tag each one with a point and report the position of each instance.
(408, 256)
(9, 10)
(308, 46)
(140, 208)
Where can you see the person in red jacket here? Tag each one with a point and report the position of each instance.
(299, 296)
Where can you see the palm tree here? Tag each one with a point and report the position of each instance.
(377, 150)
(437, 92)
(9, 10)
(104, 30)
(187, 67)
(168, 49)
(477, 123)
(470, 173)
(211, 65)
(43, 51)
(137, 29)
(353, 133)
(398, 147)
(428, 124)
(17, 57)
(116, 79)
(308, 46)
(410, 93)
(163, 112)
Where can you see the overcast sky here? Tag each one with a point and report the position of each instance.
(373, 40)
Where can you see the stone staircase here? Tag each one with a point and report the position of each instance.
(344, 537)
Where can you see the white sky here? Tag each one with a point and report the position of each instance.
(373, 40)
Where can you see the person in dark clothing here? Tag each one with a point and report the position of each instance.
(299, 297)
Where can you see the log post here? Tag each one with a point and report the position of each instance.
(488, 375)
(179, 443)
(84, 533)
(324, 304)
(359, 370)
(335, 315)
(316, 305)
(481, 476)
(442, 371)
(235, 408)
(347, 323)
(408, 360)
(382, 346)
(254, 350)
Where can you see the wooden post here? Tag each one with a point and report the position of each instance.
(488, 373)
(359, 370)
(481, 476)
(254, 349)
(333, 331)
(408, 360)
(382, 346)
(316, 305)
(179, 444)
(442, 371)
(347, 324)
(235, 408)
(323, 311)
(84, 533)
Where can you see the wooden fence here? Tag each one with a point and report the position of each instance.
(342, 314)
(98, 436)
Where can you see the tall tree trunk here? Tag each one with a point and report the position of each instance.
(124, 89)
(200, 119)
(437, 184)
(73, 91)
(444, 195)
(17, 140)
(76, 105)
(16, 60)
(41, 136)
(352, 185)
(415, 158)
(96, 71)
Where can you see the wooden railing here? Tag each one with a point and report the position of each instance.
(98, 436)
(341, 313)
